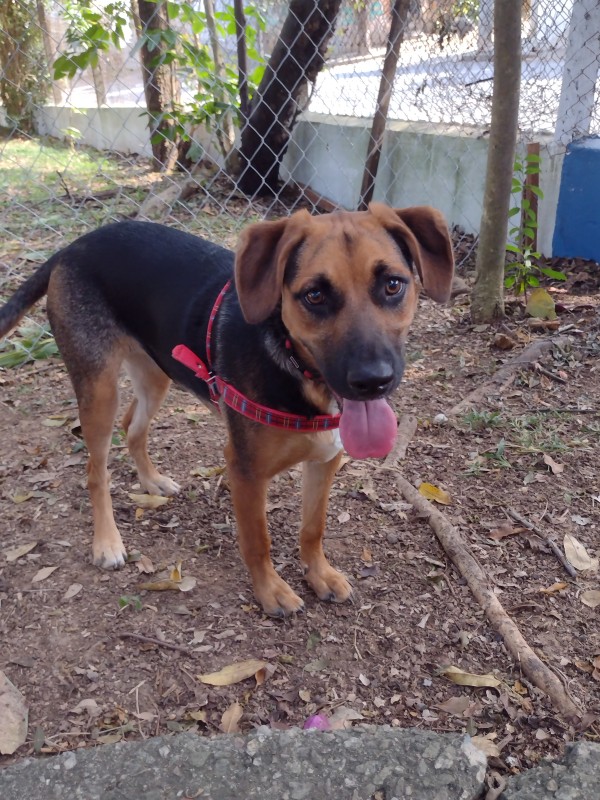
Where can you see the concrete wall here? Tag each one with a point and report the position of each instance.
(420, 163)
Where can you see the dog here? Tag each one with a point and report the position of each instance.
(296, 340)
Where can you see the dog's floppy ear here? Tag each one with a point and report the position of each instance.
(425, 232)
(260, 260)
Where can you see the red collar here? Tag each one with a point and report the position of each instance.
(221, 390)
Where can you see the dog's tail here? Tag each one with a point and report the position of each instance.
(26, 295)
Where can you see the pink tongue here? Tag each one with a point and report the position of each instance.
(367, 429)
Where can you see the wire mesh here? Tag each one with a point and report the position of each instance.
(76, 152)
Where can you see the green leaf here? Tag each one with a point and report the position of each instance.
(512, 248)
(553, 273)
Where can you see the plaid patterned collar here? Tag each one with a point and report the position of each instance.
(222, 390)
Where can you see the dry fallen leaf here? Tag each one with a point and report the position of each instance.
(554, 466)
(184, 585)
(435, 494)
(577, 555)
(504, 530)
(73, 589)
(486, 745)
(233, 673)
(556, 587)
(42, 574)
(462, 678)
(148, 500)
(343, 717)
(144, 564)
(19, 552)
(455, 705)
(590, 598)
(13, 719)
(231, 718)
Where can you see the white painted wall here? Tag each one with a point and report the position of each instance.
(420, 163)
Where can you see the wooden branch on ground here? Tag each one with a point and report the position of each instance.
(546, 539)
(450, 539)
(149, 640)
(527, 359)
(407, 427)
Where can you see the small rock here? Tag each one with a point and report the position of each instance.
(440, 419)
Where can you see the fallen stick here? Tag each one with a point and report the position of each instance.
(528, 358)
(407, 427)
(149, 640)
(546, 539)
(535, 669)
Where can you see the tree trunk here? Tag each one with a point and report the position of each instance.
(297, 58)
(225, 131)
(99, 84)
(161, 87)
(50, 52)
(487, 302)
(388, 73)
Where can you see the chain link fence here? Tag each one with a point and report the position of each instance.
(78, 147)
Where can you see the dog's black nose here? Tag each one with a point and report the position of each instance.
(371, 380)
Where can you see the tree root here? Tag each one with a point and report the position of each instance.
(504, 376)
(533, 668)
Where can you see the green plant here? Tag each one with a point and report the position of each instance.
(130, 601)
(480, 420)
(31, 342)
(214, 85)
(498, 456)
(524, 270)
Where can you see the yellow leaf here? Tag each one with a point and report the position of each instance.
(556, 587)
(139, 513)
(590, 598)
(541, 304)
(42, 574)
(148, 500)
(577, 555)
(233, 673)
(176, 573)
(230, 718)
(435, 494)
(462, 678)
(56, 421)
(21, 497)
(19, 552)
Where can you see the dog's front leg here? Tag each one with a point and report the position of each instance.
(327, 582)
(249, 497)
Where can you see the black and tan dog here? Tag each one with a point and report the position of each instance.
(309, 336)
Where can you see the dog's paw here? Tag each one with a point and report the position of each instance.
(109, 554)
(277, 598)
(161, 485)
(328, 584)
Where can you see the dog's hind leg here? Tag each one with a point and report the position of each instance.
(327, 582)
(98, 399)
(150, 385)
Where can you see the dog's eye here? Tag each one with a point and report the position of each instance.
(315, 297)
(394, 286)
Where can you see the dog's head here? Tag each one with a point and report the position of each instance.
(346, 289)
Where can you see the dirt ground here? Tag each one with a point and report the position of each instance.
(69, 639)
